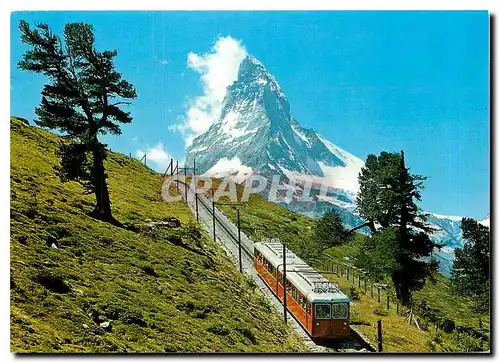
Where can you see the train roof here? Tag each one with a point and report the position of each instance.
(309, 282)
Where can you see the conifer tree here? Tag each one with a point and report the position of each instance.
(82, 100)
(400, 240)
(471, 267)
(329, 230)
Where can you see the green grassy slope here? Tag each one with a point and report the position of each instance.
(162, 289)
(260, 218)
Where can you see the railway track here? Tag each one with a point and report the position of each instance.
(227, 235)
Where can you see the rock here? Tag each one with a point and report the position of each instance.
(78, 292)
(171, 222)
(106, 325)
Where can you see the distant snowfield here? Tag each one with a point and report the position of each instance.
(486, 222)
(453, 218)
(343, 177)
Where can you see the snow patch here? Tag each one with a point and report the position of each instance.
(344, 205)
(198, 149)
(229, 126)
(442, 216)
(485, 222)
(301, 135)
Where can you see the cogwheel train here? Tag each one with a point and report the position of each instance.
(317, 304)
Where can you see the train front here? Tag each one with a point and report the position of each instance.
(330, 316)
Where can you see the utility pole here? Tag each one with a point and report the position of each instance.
(195, 189)
(177, 173)
(213, 213)
(239, 241)
(284, 282)
(185, 183)
(379, 334)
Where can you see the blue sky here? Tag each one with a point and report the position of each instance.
(367, 81)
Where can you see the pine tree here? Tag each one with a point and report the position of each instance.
(329, 230)
(471, 268)
(82, 100)
(387, 201)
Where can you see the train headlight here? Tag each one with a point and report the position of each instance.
(345, 323)
(317, 324)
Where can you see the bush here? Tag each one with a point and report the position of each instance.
(448, 326)
(380, 312)
(353, 293)
(467, 343)
(219, 330)
(53, 282)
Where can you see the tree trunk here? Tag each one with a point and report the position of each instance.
(102, 208)
(403, 293)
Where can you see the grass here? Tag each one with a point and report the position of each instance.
(81, 285)
(260, 218)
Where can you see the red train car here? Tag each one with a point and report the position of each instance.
(317, 304)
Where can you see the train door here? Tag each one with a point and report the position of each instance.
(322, 323)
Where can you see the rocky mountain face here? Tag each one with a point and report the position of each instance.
(256, 133)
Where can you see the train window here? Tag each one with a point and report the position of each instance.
(322, 311)
(340, 311)
(308, 308)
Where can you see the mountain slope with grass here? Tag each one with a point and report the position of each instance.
(158, 285)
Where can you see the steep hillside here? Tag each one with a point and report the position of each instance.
(81, 285)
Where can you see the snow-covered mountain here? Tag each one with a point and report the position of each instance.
(256, 133)
(486, 221)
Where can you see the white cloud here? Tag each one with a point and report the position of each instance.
(218, 69)
(163, 62)
(158, 155)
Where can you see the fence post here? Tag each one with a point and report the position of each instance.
(378, 294)
(480, 324)
(239, 242)
(379, 334)
(353, 278)
(347, 274)
(359, 281)
(387, 302)
(364, 281)
(371, 290)
(171, 166)
(397, 307)
(145, 159)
